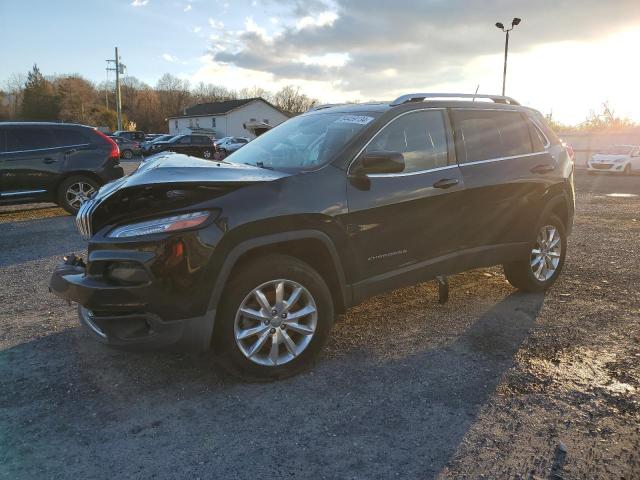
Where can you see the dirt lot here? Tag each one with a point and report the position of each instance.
(493, 384)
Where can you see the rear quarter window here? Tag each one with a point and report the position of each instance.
(490, 134)
(70, 137)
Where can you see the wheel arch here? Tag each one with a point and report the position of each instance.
(558, 204)
(78, 173)
(311, 246)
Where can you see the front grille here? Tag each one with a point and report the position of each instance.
(83, 218)
(601, 166)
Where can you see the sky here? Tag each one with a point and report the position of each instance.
(566, 57)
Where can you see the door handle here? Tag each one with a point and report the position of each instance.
(446, 183)
(72, 150)
(49, 161)
(544, 168)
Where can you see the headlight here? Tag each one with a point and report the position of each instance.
(160, 225)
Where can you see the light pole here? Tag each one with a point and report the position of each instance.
(516, 21)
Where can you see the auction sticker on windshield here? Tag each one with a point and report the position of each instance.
(359, 119)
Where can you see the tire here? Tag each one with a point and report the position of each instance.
(74, 190)
(521, 273)
(627, 170)
(206, 154)
(265, 273)
(127, 154)
(223, 153)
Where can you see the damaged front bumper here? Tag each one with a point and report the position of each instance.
(117, 315)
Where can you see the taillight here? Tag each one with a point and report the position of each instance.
(115, 151)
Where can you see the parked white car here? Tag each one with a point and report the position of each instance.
(617, 158)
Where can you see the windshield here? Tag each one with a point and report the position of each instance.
(617, 150)
(302, 143)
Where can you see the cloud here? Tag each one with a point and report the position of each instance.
(187, 8)
(386, 47)
(196, 29)
(169, 58)
(139, 3)
(218, 25)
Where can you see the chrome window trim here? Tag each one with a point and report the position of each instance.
(379, 175)
(48, 148)
(20, 192)
(499, 159)
(408, 174)
(544, 135)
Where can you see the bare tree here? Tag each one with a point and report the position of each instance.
(14, 86)
(173, 93)
(291, 100)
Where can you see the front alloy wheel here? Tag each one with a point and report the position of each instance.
(275, 322)
(207, 154)
(274, 317)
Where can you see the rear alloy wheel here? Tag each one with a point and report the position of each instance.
(545, 259)
(207, 154)
(128, 154)
(545, 256)
(275, 316)
(74, 191)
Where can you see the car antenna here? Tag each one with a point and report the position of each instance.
(475, 93)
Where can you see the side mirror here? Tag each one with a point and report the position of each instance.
(380, 162)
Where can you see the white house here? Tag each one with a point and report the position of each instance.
(237, 118)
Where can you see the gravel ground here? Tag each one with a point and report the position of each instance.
(493, 384)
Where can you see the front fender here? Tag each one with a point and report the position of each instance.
(232, 257)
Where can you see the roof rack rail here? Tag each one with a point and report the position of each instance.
(420, 97)
(322, 107)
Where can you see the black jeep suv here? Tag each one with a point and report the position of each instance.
(254, 255)
(54, 162)
(195, 145)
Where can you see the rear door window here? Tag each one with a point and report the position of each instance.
(489, 134)
(29, 138)
(3, 142)
(420, 136)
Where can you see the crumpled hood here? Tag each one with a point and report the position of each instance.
(176, 168)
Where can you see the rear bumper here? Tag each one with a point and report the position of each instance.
(111, 172)
(117, 315)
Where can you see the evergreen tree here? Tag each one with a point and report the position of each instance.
(40, 101)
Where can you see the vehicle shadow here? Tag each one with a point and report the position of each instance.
(72, 407)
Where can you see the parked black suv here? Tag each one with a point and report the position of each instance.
(196, 145)
(55, 162)
(255, 255)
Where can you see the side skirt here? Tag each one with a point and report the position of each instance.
(449, 264)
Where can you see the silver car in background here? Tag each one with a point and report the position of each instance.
(623, 159)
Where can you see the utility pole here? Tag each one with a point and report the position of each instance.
(118, 100)
(119, 69)
(516, 21)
